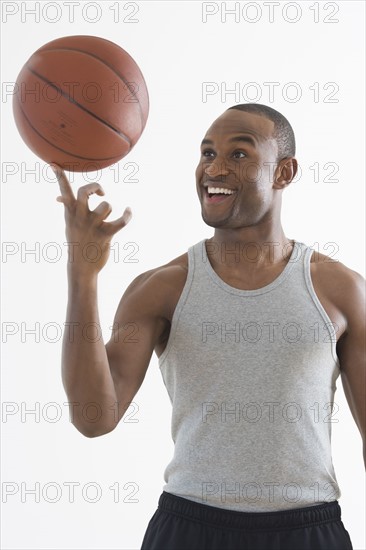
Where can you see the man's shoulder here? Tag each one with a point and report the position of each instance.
(166, 277)
(176, 266)
(338, 280)
(333, 266)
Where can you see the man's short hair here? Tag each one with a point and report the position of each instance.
(283, 132)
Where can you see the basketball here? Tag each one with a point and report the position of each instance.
(80, 102)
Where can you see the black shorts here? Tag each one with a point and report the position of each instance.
(181, 524)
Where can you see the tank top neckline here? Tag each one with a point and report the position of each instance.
(262, 290)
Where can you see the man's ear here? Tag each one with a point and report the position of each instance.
(285, 173)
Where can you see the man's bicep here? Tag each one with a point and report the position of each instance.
(137, 328)
(351, 350)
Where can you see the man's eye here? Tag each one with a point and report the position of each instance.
(239, 153)
(207, 153)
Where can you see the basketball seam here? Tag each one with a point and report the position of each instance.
(107, 65)
(71, 100)
(56, 146)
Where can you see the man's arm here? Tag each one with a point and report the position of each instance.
(103, 379)
(139, 325)
(351, 348)
(93, 380)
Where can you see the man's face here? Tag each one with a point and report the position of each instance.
(238, 153)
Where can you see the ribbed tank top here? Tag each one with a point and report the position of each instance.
(251, 375)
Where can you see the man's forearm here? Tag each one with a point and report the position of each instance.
(85, 369)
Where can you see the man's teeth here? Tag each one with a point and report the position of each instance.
(213, 190)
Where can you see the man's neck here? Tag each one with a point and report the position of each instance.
(248, 250)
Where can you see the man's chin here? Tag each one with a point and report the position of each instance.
(215, 223)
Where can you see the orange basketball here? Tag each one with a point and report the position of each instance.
(81, 102)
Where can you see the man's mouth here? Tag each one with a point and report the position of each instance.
(213, 195)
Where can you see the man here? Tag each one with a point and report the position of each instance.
(252, 330)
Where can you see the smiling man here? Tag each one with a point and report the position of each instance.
(252, 330)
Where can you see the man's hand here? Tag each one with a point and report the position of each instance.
(87, 233)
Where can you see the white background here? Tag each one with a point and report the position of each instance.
(177, 53)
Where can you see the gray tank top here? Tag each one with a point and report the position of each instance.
(251, 375)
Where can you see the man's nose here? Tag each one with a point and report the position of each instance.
(217, 167)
